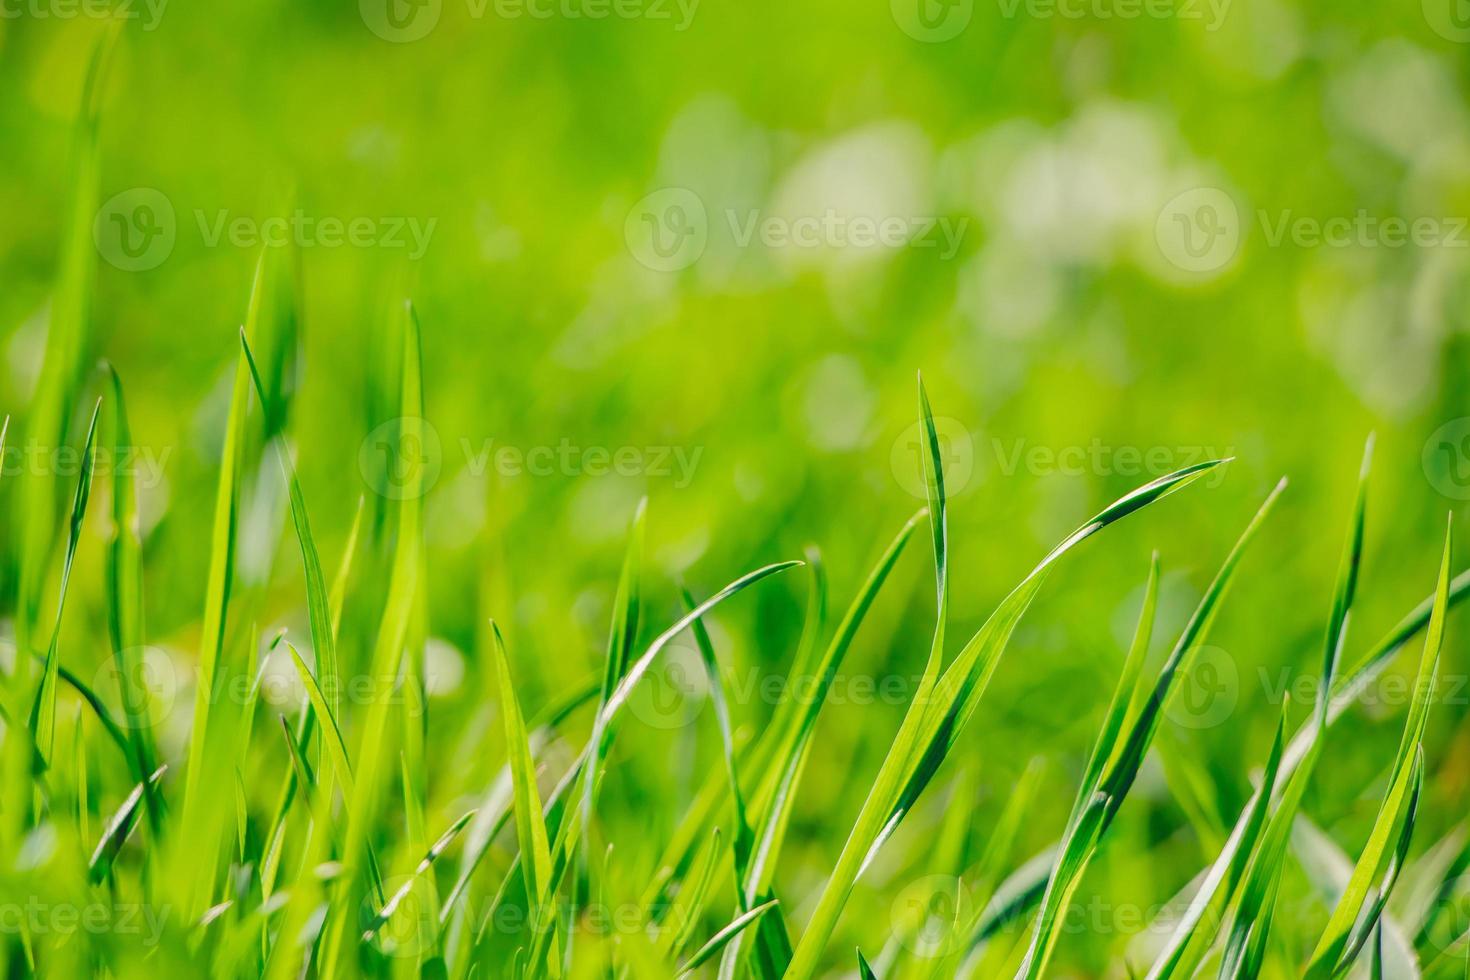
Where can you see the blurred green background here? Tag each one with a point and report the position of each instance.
(1073, 332)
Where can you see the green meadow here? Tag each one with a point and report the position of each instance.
(671, 488)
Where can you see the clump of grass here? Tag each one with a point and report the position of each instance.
(310, 845)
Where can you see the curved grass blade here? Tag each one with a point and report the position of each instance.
(1395, 816)
(1076, 849)
(1328, 868)
(1182, 958)
(43, 710)
(388, 652)
(381, 917)
(719, 939)
(691, 906)
(125, 599)
(118, 829)
(743, 840)
(335, 747)
(530, 824)
(318, 606)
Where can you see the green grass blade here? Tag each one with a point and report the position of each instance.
(124, 586)
(99, 866)
(743, 840)
(719, 939)
(385, 913)
(388, 652)
(530, 825)
(318, 606)
(336, 747)
(43, 710)
(691, 906)
(1393, 815)
(1190, 941)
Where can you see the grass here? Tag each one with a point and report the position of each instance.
(320, 841)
